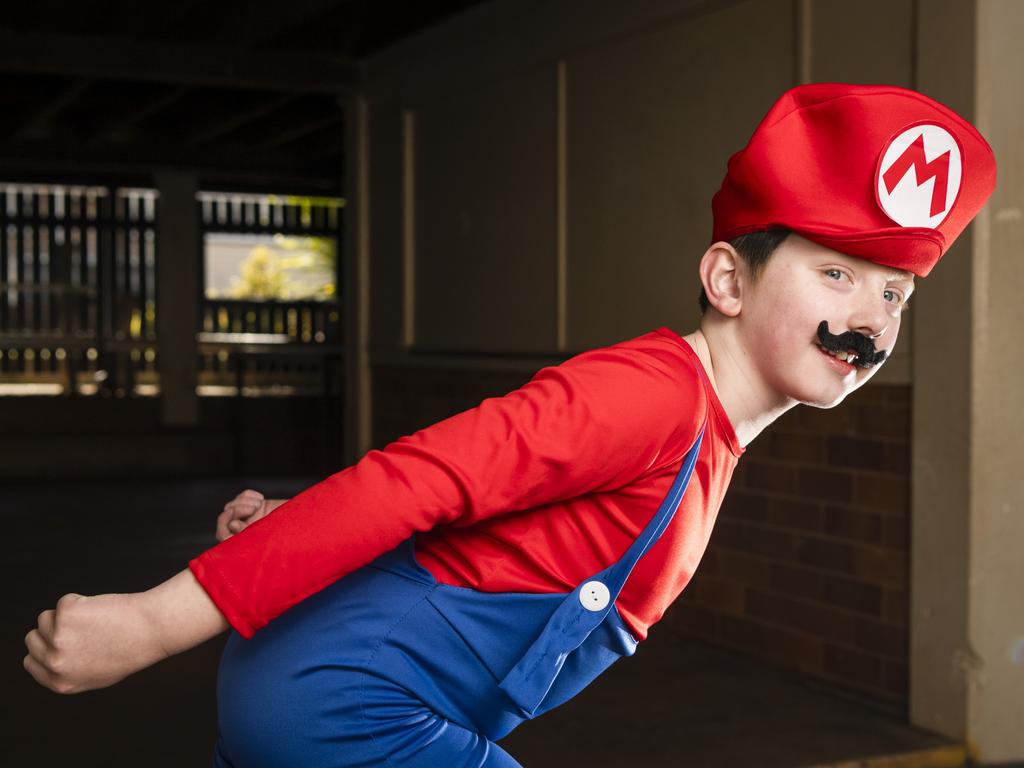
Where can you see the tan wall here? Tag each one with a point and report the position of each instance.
(486, 212)
(563, 173)
(967, 636)
(940, 659)
(649, 132)
(996, 606)
(561, 159)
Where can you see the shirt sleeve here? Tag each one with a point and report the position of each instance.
(595, 422)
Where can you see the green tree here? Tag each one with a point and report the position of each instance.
(262, 277)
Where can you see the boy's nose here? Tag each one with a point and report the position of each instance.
(871, 319)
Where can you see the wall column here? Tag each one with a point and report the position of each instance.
(179, 285)
(356, 276)
(995, 600)
(967, 612)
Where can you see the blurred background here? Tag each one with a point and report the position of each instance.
(241, 243)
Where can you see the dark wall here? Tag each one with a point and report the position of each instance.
(48, 438)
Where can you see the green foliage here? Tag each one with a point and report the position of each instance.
(294, 268)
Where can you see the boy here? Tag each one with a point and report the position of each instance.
(482, 571)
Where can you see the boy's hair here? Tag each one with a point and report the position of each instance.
(755, 248)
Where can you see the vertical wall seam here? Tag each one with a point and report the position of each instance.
(562, 226)
(803, 41)
(915, 12)
(408, 228)
(365, 395)
(358, 403)
(978, 357)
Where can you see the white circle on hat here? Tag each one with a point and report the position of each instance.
(918, 176)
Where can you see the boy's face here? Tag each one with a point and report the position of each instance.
(803, 284)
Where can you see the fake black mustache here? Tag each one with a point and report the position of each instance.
(858, 342)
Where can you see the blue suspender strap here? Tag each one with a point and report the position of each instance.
(530, 680)
(619, 572)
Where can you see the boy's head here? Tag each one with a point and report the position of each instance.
(813, 326)
(861, 187)
(755, 248)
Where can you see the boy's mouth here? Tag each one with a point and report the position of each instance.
(848, 356)
(851, 348)
(841, 361)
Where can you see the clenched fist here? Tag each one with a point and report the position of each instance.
(91, 642)
(242, 511)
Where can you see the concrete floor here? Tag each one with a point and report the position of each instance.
(678, 702)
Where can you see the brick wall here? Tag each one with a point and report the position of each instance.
(808, 563)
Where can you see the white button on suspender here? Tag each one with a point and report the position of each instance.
(594, 596)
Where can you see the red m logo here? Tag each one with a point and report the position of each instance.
(937, 169)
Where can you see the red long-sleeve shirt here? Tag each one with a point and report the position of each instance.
(530, 492)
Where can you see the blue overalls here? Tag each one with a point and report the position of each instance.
(387, 667)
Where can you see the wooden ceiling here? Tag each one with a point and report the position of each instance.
(250, 94)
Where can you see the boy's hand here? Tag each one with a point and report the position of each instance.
(91, 642)
(242, 511)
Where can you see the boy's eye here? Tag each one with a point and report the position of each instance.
(890, 295)
(899, 300)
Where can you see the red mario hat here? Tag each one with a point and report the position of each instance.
(878, 172)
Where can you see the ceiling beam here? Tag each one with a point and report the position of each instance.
(226, 125)
(38, 124)
(122, 125)
(59, 158)
(299, 131)
(184, 64)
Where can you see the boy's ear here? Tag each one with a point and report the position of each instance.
(720, 273)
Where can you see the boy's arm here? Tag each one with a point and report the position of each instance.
(594, 423)
(93, 642)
